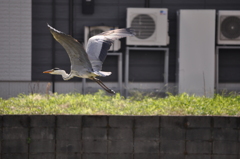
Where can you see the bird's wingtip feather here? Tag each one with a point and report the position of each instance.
(53, 29)
(49, 26)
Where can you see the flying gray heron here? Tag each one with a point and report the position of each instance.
(87, 64)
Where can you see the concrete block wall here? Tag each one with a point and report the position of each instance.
(119, 137)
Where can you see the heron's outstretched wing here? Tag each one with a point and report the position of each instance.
(78, 56)
(99, 45)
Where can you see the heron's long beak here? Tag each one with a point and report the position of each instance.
(48, 71)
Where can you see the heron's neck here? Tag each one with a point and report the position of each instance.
(66, 76)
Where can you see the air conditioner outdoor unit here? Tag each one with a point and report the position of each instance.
(150, 25)
(90, 31)
(228, 27)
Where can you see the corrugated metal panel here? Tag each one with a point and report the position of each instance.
(15, 40)
(4, 87)
(13, 89)
(68, 87)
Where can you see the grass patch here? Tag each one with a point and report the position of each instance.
(102, 104)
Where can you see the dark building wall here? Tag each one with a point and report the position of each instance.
(118, 137)
(145, 66)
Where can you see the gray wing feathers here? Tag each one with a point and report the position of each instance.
(78, 56)
(117, 34)
(99, 45)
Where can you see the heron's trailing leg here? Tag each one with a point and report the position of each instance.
(98, 81)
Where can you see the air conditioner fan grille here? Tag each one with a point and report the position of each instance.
(230, 27)
(143, 25)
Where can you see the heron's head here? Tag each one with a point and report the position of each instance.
(55, 71)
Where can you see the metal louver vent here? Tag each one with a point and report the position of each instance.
(230, 27)
(143, 25)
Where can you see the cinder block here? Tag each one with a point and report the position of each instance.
(146, 146)
(120, 156)
(239, 136)
(15, 121)
(68, 134)
(15, 133)
(94, 133)
(42, 146)
(42, 156)
(42, 121)
(68, 156)
(147, 121)
(1, 134)
(225, 157)
(42, 133)
(14, 146)
(146, 133)
(225, 134)
(1, 120)
(172, 121)
(68, 146)
(146, 156)
(94, 146)
(172, 146)
(120, 146)
(226, 122)
(198, 147)
(121, 121)
(69, 121)
(120, 134)
(172, 156)
(198, 156)
(94, 121)
(198, 134)
(15, 156)
(168, 133)
(94, 156)
(225, 147)
(198, 122)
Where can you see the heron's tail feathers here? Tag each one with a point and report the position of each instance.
(102, 73)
